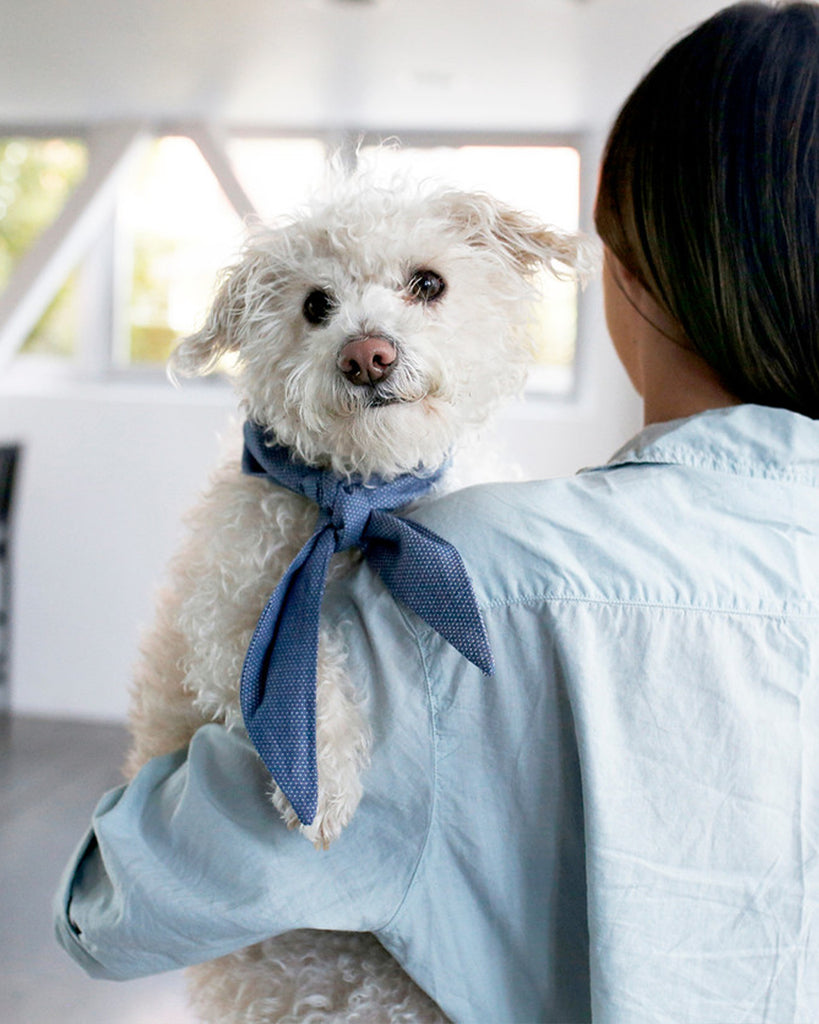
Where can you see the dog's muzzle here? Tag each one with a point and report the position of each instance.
(367, 360)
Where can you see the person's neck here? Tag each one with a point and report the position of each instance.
(677, 382)
(673, 381)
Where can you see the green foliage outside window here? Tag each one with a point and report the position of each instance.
(36, 178)
(151, 336)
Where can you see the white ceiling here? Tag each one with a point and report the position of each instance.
(397, 64)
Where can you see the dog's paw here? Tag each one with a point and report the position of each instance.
(332, 817)
(334, 813)
(317, 835)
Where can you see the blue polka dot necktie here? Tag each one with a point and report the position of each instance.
(421, 569)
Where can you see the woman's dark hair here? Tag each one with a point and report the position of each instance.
(709, 195)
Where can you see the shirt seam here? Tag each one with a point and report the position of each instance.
(685, 458)
(634, 603)
(434, 801)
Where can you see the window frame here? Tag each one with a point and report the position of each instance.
(87, 225)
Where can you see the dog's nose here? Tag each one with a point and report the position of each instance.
(367, 360)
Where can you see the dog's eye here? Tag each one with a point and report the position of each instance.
(426, 286)
(318, 307)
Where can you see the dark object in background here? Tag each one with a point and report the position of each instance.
(9, 457)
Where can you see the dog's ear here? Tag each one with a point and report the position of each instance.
(242, 303)
(199, 353)
(519, 238)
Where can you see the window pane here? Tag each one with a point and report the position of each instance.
(544, 180)
(57, 331)
(36, 178)
(278, 174)
(182, 230)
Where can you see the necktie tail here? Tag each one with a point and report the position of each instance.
(278, 690)
(407, 555)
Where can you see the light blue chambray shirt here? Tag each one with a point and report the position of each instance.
(621, 824)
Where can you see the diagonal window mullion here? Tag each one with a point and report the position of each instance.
(41, 272)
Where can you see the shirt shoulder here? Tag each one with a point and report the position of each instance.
(539, 539)
(648, 533)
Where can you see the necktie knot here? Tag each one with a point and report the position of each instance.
(348, 513)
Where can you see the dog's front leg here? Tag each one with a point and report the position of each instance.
(163, 716)
(342, 747)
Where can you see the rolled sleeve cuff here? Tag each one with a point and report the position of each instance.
(191, 861)
(68, 933)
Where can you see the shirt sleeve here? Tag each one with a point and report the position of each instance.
(191, 860)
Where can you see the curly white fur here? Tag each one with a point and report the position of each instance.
(456, 358)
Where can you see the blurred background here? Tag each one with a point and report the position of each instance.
(135, 140)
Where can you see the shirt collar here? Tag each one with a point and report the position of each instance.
(744, 440)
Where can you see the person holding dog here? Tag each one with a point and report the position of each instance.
(622, 824)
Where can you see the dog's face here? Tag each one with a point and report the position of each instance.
(376, 332)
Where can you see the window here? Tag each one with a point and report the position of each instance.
(279, 173)
(145, 274)
(176, 231)
(36, 178)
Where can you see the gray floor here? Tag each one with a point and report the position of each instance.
(51, 775)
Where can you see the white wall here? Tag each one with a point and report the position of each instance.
(105, 478)
(108, 471)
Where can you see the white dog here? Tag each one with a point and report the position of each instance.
(372, 336)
